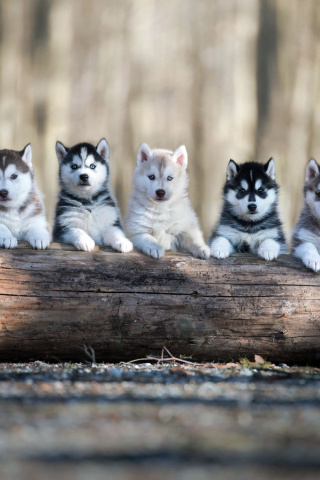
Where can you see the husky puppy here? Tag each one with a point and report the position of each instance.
(249, 220)
(22, 213)
(306, 233)
(159, 216)
(86, 212)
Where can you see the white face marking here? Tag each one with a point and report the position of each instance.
(83, 153)
(240, 206)
(244, 184)
(89, 160)
(314, 206)
(18, 188)
(258, 184)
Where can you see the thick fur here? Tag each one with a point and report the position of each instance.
(306, 233)
(22, 213)
(86, 212)
(159, 216)
(249, 220)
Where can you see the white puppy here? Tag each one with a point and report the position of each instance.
(159, 216)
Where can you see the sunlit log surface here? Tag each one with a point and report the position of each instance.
(56, 303)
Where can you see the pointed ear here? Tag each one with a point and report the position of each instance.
(180, 156)
(312, 170)
(270, 168)
(103, 149)
(61, 152)
(232, 169)
(26, 155)
(144, 153)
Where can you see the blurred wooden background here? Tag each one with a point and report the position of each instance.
(231, 79)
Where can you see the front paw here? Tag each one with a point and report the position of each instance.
(123, 245)
(40, 243)
(269, 249)
(312, 262)
(154, 252)
(220, 248)
(202, 252)
(8, 242)
(85, 243)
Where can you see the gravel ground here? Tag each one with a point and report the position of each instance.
(154, 421)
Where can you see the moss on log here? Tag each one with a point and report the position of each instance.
(53, 303)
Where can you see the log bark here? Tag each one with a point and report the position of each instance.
(54, 303)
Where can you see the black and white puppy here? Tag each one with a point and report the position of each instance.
(86, 212)
(249, 220)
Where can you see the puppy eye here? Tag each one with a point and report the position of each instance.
(14, 176)
(260, 190)
(151, 177)
(92, 166)
(242, 190)
(74, 166)
(318, 194)
(169, 178)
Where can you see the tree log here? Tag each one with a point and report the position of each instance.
(56, 303)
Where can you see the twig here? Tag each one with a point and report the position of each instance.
(88, 350)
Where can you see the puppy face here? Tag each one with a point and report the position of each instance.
(83, 168)
(251, 189)
(16, 177)
(311, 188)
(161, 175)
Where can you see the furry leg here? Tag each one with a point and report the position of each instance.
(269, 249)
(221, 247)
(38, 237)
(194, 243)
(147, 244)
(309, 255)
(118, 241)
(79, 239)
(7, 240)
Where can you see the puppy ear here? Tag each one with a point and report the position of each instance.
(232, 169)
(180, 156)
(103, 149)
(26, 155)
(61, 152)
(144, 153)
(312, 170)
(270, 168)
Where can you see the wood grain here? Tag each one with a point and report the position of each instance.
(127, 306)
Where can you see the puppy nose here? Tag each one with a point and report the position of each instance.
(252, 207)
(84, 177)
(160, 193)
(4, 193)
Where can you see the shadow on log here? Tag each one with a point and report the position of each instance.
(53, 303)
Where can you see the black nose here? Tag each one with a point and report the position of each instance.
(84, 177)
(252, 207)
(160, 193)
(4, 193)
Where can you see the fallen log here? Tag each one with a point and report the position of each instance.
(60, 303)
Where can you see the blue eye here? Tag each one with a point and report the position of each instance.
(14, 176)
(74, 166)
(169, 178)
(92, 166)
(151, 177)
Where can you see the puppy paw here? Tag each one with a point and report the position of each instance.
(269, 249)
(312, 262)
(8, 242)
(202, 252)
(220, 248)
(40, 243)
(85, 243)
(123, 245)
(155, 252)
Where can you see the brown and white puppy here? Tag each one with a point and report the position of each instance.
(22, 213)
(306, 233)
